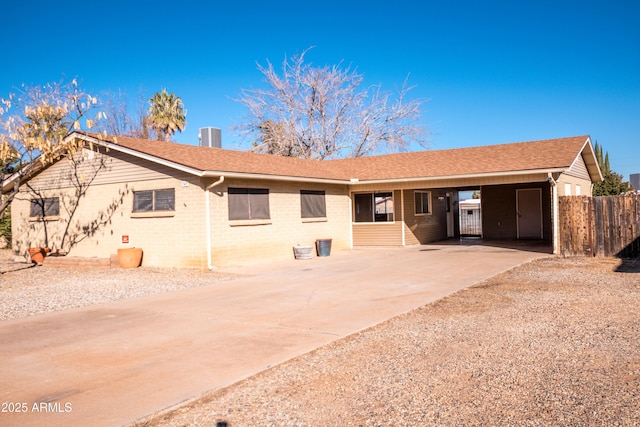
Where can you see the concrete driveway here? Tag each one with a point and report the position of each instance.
(116, 363)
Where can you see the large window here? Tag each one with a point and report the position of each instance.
(45, 207)
(373, 207)
(154, 200)
(423, 202)
(248, 203)
(312, 204)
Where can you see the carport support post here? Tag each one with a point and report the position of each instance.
(555, 204)
(404, 237)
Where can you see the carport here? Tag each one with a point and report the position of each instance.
(423, 215)
(417, 200)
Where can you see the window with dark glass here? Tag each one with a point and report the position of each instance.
(45, 207)
(154, 200)
(423, 202)
(312, 204)
(373, 207)
(248, 203)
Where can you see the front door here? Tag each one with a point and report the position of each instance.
(529, 211)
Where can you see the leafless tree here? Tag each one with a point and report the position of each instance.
(323, 113)
(119, 119)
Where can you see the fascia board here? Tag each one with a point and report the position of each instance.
(242, 175)
(463, 176)
(588, 148)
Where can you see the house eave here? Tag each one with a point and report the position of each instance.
(591, 161)
(355, 181)
(288, 178)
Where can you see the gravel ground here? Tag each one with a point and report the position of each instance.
(27, 290)
(553, 342)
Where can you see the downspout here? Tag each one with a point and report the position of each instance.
(554, 196)
(207, 215)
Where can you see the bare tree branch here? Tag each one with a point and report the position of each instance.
(322, 113)
(35, 124)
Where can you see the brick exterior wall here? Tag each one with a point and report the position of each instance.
(179, 239)
(238, 242)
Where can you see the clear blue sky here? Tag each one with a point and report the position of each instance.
(494, 72)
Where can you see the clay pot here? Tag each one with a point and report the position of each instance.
(37, 254)
(129, 257)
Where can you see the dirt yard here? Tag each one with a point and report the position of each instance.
(553, 342)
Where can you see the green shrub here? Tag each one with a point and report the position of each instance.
(5, 226)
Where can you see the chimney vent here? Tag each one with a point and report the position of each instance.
(210, 137)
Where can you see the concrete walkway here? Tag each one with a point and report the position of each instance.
(116, 363)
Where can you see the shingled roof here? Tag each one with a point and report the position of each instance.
(552, 155)
(211, 161)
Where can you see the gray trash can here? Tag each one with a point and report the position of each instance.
(323, 246)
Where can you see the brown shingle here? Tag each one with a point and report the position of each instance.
(503, 158)
(217, 159)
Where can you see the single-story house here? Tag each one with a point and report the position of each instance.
(203, 207)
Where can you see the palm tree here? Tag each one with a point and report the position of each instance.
(166, 114)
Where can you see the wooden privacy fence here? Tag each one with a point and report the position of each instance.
(599, 226)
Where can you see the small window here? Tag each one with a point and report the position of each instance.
(312, 204)
(567, 189)
(423, 202)
(248, 203)
(154, 200)
(578, 190)
(45, 207)
(373, 207)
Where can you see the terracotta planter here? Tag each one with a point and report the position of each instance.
(130, 257)
(37, 254)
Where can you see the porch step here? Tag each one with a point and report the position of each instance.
(80, 262)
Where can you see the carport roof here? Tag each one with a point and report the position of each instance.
(551, 155)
